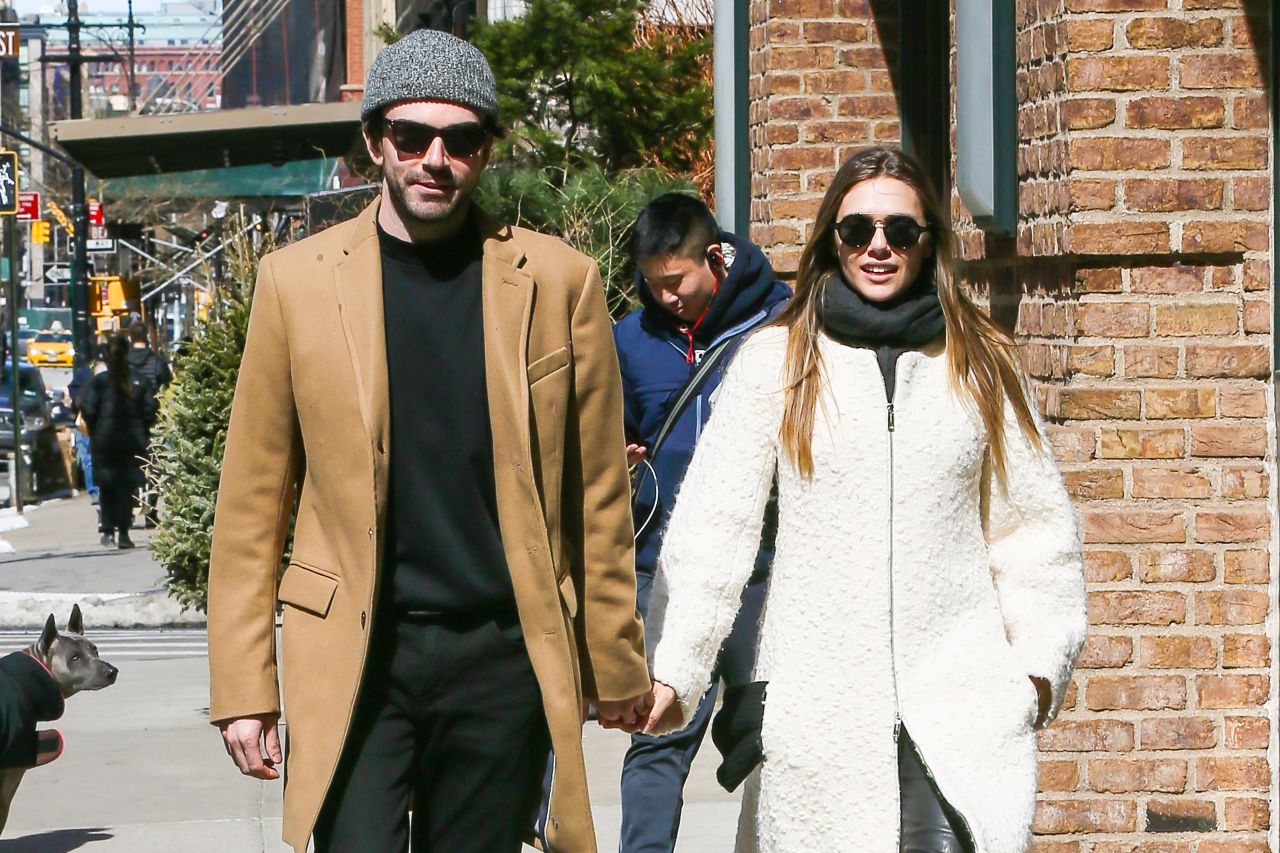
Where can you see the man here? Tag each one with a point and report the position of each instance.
(150, 371)
(701, 290)
(444, 392)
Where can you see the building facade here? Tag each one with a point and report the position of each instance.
(1140, 281)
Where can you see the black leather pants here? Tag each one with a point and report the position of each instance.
(929, 824)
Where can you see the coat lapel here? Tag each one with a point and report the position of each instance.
(507, 308)
(358, 277)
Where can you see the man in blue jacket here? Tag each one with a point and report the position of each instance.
(702, 290)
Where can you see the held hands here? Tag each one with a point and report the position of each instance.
(665, 711)
(626, 714)
(245, 737)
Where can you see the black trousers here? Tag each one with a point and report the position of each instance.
(115, 498)
(449, 724)
(929, 824)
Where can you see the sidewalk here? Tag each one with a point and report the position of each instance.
(57, 559)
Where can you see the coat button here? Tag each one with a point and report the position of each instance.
(370, 532)
(363, 617)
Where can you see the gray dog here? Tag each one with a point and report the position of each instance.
(33, 685)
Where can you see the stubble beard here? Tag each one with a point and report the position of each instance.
(424, 212)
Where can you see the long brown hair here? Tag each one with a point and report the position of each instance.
(981, 358)
(118, 365)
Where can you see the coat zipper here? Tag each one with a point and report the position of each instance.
(893, 653)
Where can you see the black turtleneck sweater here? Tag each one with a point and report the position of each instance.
(443, 551)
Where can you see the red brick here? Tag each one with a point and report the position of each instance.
(1174, 279)
(803, 157)
(1249, 565)
(1108, 280)
(798, 108)
(1232, 774)
(1247, 361)
(1191, 402)
(1105, 652)
(1238, 236)
(1235, 401)
(1092, 194)
(1246, 732)
(1116, 5)
(1094, 403)
(1178, 733)
(1162, 196)
(1251, 112)
(1058, 817)
(1238, 70)
(1231, 607)
(1163, 33)
(1232, 525)
(1223, 440)
(1231, 152)
(1112, 153)
(1057, 776)
(1246, 813)
(1091, 360)
(1179, 652)
(1072, 445)
(1088, 736)
(1176, 113)
(1239, 845)
(840, 31)
(799, 58)
(1257, 316)
(1124, 607)
(1113, 319)
(1124, 238)
(1170, 483)
(1106, 566)
(1251, 193)
(1089, 34)
(1151, 362)
(1127, 775)
(1196, 318)
(1246, 651)
(1117, 73)
(1245, 482)
(1095, 483)
(1127, 443)
(1232, 691)
(1181, 565)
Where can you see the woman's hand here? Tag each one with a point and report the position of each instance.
(665, 710)
(1044, 698)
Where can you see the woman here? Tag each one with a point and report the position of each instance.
(927, 599)
(117, 412)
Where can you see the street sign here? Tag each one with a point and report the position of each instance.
(95, 213)
(9, 41)
(8, 182)
(57, 275)
(28, 206)
(99, 245)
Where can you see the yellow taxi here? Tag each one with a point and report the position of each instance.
(51, 348)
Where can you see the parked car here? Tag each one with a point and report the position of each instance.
(39, 433)
(51, 348)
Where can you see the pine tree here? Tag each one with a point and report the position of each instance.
(191, 430)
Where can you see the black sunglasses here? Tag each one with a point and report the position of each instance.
(460, 140)
(858, 230)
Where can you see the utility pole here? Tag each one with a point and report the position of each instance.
(74, 59)
(133, 67)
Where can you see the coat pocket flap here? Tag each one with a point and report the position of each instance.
(569, 594)
(548, 364)
(307, 589)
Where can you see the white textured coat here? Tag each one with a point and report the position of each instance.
(906, 585)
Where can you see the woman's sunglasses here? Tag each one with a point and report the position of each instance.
(857, 230)
(460, 140)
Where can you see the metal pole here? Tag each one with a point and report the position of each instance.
(73, 57)
(730, 41)
(15, 389)
(133, 83)
(80, 331)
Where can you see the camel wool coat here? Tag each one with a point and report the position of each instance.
(311, 421)
(908, 589)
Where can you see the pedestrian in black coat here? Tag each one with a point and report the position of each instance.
(119, 410)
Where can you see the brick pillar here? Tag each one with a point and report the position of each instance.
(353, 89)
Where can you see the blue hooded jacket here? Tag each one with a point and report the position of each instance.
(653, 353)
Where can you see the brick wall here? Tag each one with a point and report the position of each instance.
(1139, 283)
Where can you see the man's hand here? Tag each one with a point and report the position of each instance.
(626, 714)
(664, 710)
(245, 738)
(635, 453)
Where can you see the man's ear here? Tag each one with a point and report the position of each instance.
(372, 142)
(715, 260)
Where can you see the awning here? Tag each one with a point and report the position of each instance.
(148, 145)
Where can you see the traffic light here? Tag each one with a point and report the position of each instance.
(39, 231)
(8, 182)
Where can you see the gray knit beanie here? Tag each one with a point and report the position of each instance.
(431, 65)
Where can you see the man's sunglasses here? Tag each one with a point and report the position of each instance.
(857, 230)
(460, 140)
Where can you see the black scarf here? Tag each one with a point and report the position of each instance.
(907, 322)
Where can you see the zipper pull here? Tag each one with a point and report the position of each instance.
(897, 727)
(891, 417)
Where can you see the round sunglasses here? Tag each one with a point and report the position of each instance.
(857, 230)
(413, 138)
